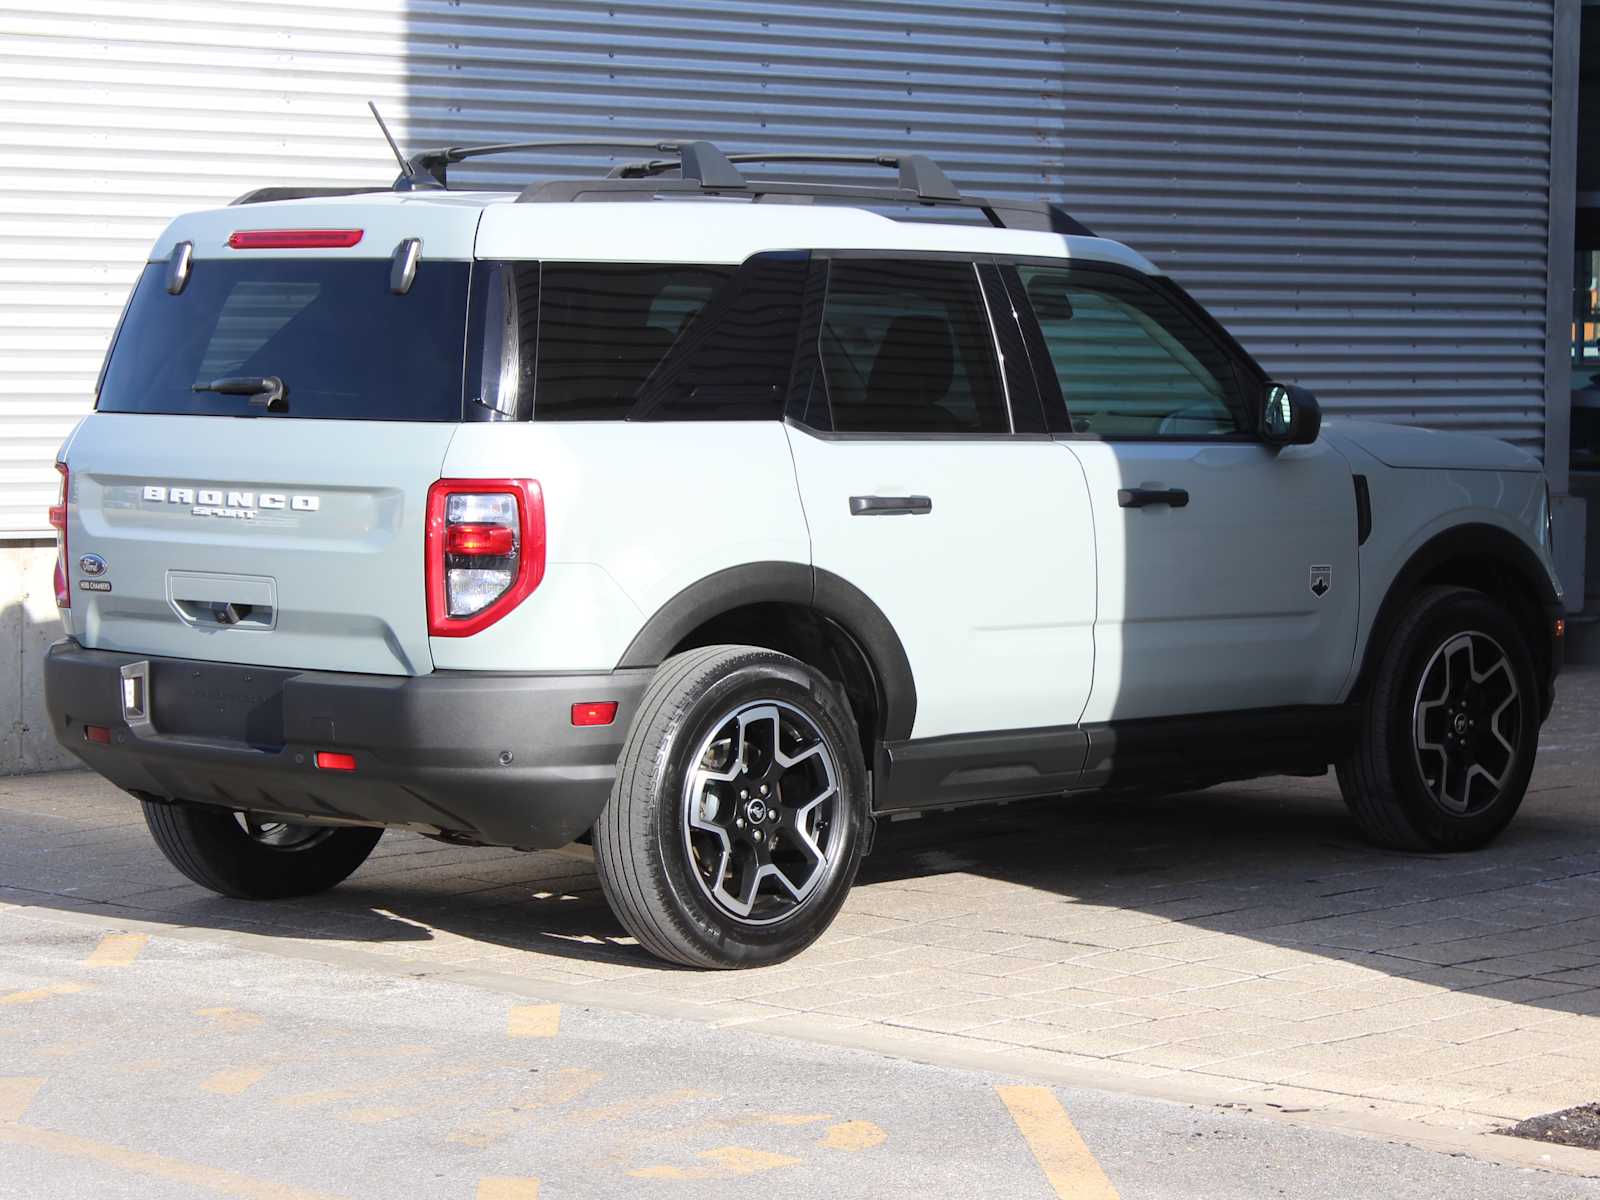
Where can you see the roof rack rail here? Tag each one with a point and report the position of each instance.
(920, 182)
(703, 169)
(699, 160)
(918, 172)
(262, 195)
(1039, 215)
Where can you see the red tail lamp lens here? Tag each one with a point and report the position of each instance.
(483, 551)
(58, 522)
(294, 239)
(492, 541)
(97, 733)
(327, 760)
(594, 712)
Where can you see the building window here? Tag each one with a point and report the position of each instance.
(1586, 361)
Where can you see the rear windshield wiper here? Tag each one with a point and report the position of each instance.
(266, 390)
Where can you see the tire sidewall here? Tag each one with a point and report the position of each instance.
(765, 676)
(1452, 615)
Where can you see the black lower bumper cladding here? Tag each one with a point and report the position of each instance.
(485, 756)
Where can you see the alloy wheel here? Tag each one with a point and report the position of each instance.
(281, 835)
(1467, 723)
(762, 814)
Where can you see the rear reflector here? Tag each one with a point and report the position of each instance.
(97, 733)
(594, 712)
(327, 760)
(294, 239)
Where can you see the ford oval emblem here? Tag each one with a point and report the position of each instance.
(92, 564)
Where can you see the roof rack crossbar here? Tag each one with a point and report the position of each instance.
(701, 160)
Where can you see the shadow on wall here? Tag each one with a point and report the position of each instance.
(28, 624)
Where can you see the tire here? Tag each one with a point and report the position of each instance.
(247, 859)
(1449, 729)
(685, 842)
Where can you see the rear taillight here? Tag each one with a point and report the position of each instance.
(485, 551)
(58, 522)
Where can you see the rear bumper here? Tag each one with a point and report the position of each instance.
(488, 757)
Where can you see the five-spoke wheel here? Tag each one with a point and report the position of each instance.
(760, 811)
(1467, 722)
(1449, 726)
(739, 813)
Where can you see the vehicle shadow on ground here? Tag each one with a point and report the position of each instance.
(1272, 863)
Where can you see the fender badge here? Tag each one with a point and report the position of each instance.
(95, 585)
(1321, 581)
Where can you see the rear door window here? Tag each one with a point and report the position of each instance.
(344, 345)
(906, 347)
(664, 341)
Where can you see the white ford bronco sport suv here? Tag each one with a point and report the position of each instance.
(718, 525)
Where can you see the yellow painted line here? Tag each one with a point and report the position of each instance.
(324, 1096)
(779, 1119)
(725, 1162)
(627, 1109)
(853, 1135)
(230, 1020)
(117, 950)
(1057, 1148)
(235, 1081)
(563, 1088)
(15, 1096)
(533, 1020)
(44, 993)
(503, 1187)
(378, 1114)
(156, 1166)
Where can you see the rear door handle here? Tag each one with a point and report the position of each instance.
(890, 506)
(1142, 497)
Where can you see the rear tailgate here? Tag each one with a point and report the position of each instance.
(253, 483)
(312, 531)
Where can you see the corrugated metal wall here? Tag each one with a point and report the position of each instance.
(1360, 189)
(114, 117)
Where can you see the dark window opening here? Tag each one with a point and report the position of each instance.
(1129, 362)
(905, 347)
(666, 342)
(345, 346)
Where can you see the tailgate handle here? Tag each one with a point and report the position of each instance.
(224, 613)
(209, 601)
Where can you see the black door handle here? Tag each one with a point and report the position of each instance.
(1140, 497)
(890, 506)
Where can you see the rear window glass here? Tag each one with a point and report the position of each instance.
(344, 345)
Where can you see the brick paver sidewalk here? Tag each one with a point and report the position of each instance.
(1239, 940)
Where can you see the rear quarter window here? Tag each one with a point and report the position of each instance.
(583, 341)
(345, 346)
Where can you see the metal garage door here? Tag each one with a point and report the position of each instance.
(1359, 189)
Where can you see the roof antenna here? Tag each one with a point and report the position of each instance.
(406, 169)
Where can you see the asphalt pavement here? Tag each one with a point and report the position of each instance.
(1224, 994)
(148, 1066)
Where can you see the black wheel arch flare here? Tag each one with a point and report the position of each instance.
(830, 595)
(1478, 542)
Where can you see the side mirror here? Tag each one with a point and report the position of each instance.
(1291, 416)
